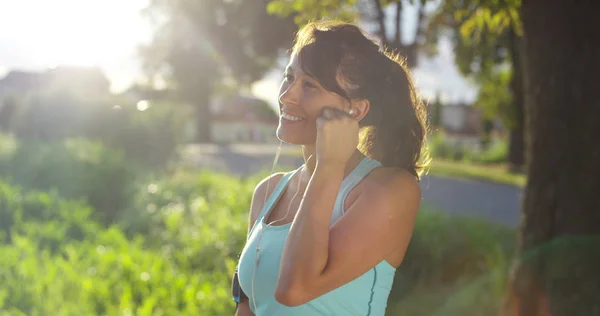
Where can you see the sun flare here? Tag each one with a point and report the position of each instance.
(74, 32)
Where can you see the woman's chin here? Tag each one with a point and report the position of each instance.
(293, 138)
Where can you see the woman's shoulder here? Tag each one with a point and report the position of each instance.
(389, 180)
(262, 191)
(268, 184)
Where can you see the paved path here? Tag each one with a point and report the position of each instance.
(496, 202)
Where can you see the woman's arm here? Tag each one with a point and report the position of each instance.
(318, 258)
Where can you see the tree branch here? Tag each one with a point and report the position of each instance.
(381, 21)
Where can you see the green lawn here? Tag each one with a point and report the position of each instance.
(497, 173)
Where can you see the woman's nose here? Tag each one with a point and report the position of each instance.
(289, 96)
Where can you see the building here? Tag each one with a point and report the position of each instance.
(87, 81)
(17, 85)
(240, 119)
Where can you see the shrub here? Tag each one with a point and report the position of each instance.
(175, 248)
(454, 266)
(44, 218)
(75, 169)
(496, 153)
(202, 214)
(149, 137)
(183, 267)
(440, 148)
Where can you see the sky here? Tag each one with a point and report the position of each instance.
(37, 34)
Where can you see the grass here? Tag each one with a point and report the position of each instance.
(454, 265)
(490, 172)
(497, 173)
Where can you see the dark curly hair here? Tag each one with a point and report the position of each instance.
(394, 129)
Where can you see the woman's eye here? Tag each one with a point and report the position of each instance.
(288, 77)
(309, 85)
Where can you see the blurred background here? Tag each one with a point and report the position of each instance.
(134, 132)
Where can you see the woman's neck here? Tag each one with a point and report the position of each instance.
(310, 160)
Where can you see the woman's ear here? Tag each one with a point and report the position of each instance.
(359, 108)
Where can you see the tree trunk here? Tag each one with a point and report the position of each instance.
(201, 101)
(381, 22)
(557, 271)
(398, 30)
(516, 147)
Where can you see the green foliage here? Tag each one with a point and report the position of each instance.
(74, 168)
(45, 218)
(174, 249)
(489, 15)
(453, 266)
(485, 35)
(58, 261)
(306, 11)
(54, 114)
(494, 97)
(496, 153)
(149, 137)
(440, 147)
(234, 43)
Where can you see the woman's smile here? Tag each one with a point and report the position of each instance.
(291, 118)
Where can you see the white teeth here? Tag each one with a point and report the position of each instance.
(290, 117)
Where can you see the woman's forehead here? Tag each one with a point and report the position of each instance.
(294, 64)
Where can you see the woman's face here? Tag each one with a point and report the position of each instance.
(301, 101)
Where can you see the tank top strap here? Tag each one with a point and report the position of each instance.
(364, 167)
(272, 199)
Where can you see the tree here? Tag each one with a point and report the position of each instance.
(487, 40)
(198, 45)
(557, 271)
(371, 11)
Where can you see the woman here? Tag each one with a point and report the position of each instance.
(330, 235)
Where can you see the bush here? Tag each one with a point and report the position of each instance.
(44, 218)
(201, 214)
(496, 153)
(454, 266)
(54, 115)
(440, 148)
(175, 248)
(183, 267)
(149, 137)
(75, 169)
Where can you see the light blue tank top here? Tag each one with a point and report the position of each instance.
(365, 296)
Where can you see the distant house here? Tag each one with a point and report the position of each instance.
(241, 119)
(461, 120)
(87, 81)
(17, 82)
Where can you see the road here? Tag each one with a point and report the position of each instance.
(491, 201)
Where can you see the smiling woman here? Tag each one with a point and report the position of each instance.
(326, 238)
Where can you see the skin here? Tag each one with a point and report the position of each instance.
(379, 212)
